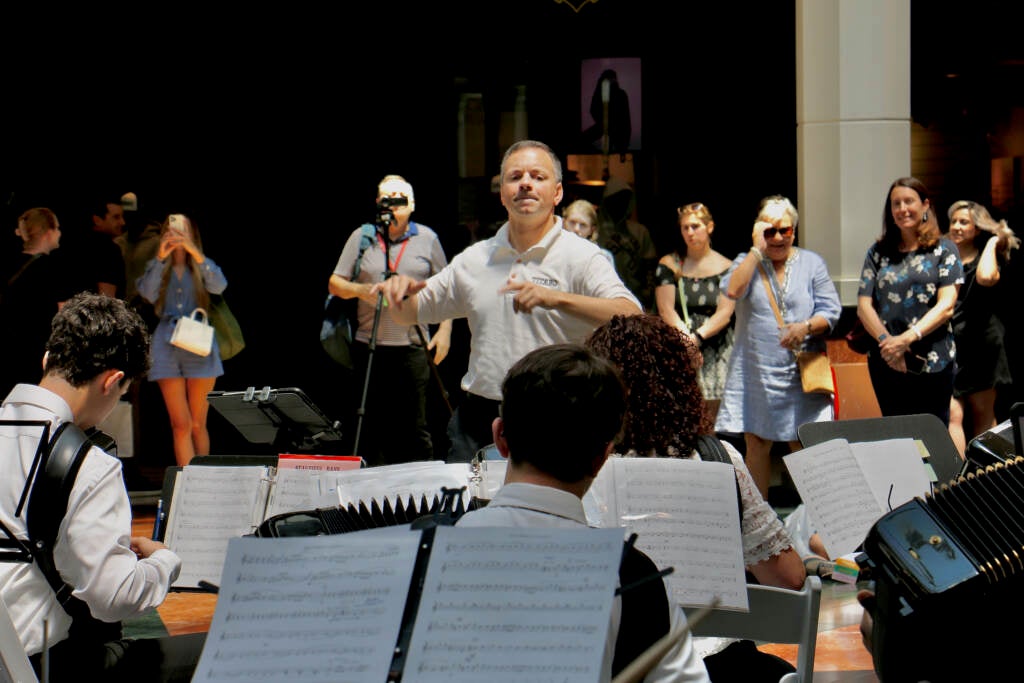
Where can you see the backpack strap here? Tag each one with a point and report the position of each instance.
(711, 449)
(645, 608)
(367, 232)
(48, 501)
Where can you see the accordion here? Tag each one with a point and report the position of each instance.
(949, 574)
(441, 509)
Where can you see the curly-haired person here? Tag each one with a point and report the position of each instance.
(663, 419)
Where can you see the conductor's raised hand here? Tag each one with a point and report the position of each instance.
(396, 288)
(529, 295)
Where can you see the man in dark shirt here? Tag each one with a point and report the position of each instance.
(93, 256)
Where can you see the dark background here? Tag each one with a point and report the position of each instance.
(271, 128)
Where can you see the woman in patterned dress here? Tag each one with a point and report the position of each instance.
(687, 284)
(908, 289)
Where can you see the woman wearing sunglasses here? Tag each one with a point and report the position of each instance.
(763, 397)
(908, 289)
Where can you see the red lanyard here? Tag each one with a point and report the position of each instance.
(393, 267)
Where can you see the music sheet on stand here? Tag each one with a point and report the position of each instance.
(686, 516)
(317, 609)
(521, 605)
(525, 604)
(212, 504)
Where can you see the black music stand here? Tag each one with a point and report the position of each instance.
(284, 418)
(943, 456)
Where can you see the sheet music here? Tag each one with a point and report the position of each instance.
(302, 489)
(837, 493)
(895, 464)
(210, 505)
(309, 609)
(686, 515)
(529, 604)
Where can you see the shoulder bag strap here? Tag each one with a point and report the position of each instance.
(771, 296)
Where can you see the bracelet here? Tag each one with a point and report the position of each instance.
(810, 331)
(882, 337)
(755, 250)
(917, 332)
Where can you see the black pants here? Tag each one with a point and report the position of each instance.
(470, 427)
(170, 659)
(394, 427)
(907, 393)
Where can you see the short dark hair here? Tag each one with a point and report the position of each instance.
(93, 333)
(561, 407)
(101, 207)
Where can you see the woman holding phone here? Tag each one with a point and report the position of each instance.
(179, 279)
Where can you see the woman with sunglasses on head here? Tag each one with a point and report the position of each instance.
(688, 294)
(984, 245)
(908, 289)
(764, 398)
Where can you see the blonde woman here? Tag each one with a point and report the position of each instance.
(30, 292)
(177, 280)
(984, 245)
(580, 217)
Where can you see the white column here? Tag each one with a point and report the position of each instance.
(853, 125)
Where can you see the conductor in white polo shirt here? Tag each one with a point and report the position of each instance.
(530, 285)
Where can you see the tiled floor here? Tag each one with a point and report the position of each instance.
(840, 656)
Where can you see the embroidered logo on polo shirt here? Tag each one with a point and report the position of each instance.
(545, 281)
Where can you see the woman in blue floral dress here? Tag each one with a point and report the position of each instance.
(908, 289)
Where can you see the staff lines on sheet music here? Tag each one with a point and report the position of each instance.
(320, 554)
(365, 596)
(336, 634)
(510, 565)
(285, 673)
(269, 651)
(328, 613)
(573, 587)
(512, 606)
(495, 668)
(518, 547)
(533, 629)
(470, 648)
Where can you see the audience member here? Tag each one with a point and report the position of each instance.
(688, 294)
(908, 290)
(562, 407)
(530, 285)
(664, 419)
(31, 289)
(763, 396)
(394, 418)
(138, 243)
(982, 368)
(179, 279)
(91, 254)
(97, 347)
(580, 217)
(629, 241)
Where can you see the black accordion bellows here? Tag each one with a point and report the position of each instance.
(449, 505)
(950, 569)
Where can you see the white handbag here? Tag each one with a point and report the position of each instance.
(194, 334)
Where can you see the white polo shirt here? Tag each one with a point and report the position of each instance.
(468, 288)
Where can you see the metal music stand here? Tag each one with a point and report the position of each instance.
(285, 418)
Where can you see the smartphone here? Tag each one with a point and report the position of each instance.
(177, 223)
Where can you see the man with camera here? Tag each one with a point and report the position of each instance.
(394, 419)
(530, 285)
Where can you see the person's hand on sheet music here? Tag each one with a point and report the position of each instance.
(144, 547)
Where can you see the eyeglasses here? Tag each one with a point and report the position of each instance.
(772, 232)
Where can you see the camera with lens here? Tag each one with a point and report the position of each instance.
(389, 202)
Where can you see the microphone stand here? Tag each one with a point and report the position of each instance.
(384, 219)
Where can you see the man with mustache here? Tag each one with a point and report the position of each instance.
(530, 285)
